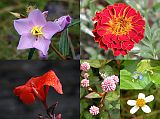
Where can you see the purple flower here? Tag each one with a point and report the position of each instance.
(36, 31)
(64, 21)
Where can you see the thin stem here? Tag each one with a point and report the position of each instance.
(57, 52)
(45, 105)
(102, 99)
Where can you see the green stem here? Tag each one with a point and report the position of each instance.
(57, 52)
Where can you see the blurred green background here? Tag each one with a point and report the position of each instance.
(9, 38)
(147, 48)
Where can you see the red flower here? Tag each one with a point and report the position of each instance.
(118, 27)
(38, 86)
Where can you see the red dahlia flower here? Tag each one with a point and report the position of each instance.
(118, 27)
(35, 87)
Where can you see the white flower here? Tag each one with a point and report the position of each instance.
(140, 103)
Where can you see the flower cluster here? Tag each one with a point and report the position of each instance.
(109, 83)
(36, 31)
(94, 110)
(118, 27)
(85, 66)
(140, 103)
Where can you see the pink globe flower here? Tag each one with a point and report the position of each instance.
(94, 110)
(85, 83)
(85, 66)
(36, 31)
(115, 78)
(108, 85)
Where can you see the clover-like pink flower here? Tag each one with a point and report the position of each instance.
(36, 31)
(108, 84)
(85, 83)
(85, 66)
(115, 78)
(94, 110)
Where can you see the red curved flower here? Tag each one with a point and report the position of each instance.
(38, 86)
(118, 27)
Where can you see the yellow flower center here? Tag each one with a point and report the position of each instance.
(120, 25)
(140, 102)
(36, 31)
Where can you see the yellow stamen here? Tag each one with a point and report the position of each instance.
(120, 25)
(140, 102)
(36, 31)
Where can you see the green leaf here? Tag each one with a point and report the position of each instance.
(112, 96)
(93, 95)
(148, 31)
(127, 81)
(74, 22)
(31, 52)
(132, 3)
(105, 71)
(155, 77)
(111, 2)
(93, 7)
(63, 43)
(95, 63)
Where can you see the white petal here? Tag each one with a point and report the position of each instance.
(131, 102)
(149, 98)
(146, 109)
(134, 109)
(141, 96)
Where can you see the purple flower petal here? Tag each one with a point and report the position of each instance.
(50, 29)
(45, 14)
(64, 21)
(26, 41)
(37, 17)
(23, 26)
(42, 44)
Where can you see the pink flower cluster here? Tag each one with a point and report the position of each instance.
(85, 83)
(109, 83)
(94, 110)
(85, 66)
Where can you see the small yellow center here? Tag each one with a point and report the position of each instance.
(140, 102)
(120, 25)
(36, 31)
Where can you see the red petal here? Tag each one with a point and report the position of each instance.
(97, 38)
(131, 12)
(132, 33)
(117, 10)
(105, 20)
(139, 22)
(111, 11)
(137, 17)
(107, 13)
(126, 10)
(116, 52)
(102, 45)
(106, 39)
(123, 38)
(27, 98)
(123, 52)
(18, 90)
(50, 79)
(97, 16)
